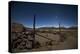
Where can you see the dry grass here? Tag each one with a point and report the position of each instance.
(53, 40)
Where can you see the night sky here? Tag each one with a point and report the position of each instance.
(49, 15)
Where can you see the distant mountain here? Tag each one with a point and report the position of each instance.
(46, 27)
(73, 27)
(51, 28)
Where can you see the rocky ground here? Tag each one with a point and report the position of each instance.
(23, 41)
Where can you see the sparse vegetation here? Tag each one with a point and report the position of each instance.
(44, 39)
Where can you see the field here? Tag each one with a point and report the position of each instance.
(66, 39)
(46, 40)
